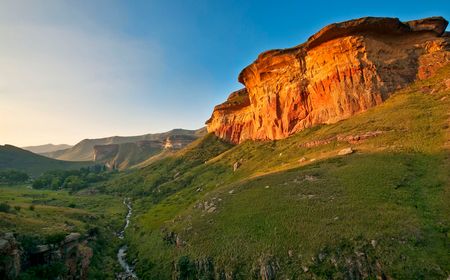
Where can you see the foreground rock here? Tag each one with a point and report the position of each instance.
(343, 69)
(345, 151)
(73, 252)
(10, 265)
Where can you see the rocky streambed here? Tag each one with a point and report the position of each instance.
(128, 271)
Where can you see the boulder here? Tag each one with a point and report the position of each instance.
(345, 151)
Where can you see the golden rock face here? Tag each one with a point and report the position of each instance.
(343, 69)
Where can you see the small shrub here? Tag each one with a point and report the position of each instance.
(93, 231)
(17, 207)
(5, 207)
(55, 238)
(72, 205)
(31, 207)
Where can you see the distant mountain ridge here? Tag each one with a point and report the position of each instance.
(47, 148)
(12, 157)
(124, 151)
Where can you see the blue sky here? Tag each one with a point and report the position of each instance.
(71, 70)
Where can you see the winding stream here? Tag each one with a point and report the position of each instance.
(128, 272)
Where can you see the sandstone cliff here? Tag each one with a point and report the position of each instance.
(343, 69)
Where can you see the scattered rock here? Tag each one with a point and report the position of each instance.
(373, 243)
(268, 268)
(231, 192)
(267, 187)
(447, 84)
(72, 237)
(321, 256)
(290, 253)
(351, 139)
(345, 151)
(303, 159)
(237, 164)
(208, 206)
(179, 242)
(310, 178)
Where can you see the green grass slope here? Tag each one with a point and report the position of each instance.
(12, 157)
(295, 209)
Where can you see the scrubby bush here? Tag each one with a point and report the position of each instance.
(73, 180)
(5, 207)
(55, 238)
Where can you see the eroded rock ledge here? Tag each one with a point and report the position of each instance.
(343, 69)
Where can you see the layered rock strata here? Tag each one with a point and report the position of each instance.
(343, 69)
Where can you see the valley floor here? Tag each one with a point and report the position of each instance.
(365, 198)
(296, 208)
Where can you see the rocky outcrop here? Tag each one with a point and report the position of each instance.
(73, 251)
(102, 152)
(10, 265)
(343, 69)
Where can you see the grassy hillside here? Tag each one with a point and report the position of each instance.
(83, 151)
(294, 208)
(12, 157)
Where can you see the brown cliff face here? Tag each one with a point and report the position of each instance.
(343, 69)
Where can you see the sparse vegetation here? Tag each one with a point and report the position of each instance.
(47, 217)
(304, 212)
